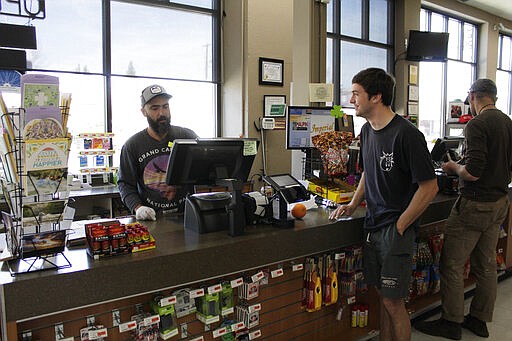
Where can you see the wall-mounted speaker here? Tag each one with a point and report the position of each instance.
(13, 59)
(18, 36)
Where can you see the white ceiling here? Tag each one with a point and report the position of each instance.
(502, 8)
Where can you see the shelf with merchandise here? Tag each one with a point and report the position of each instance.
(95, 158)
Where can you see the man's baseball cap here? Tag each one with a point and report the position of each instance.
(484, 85)
(151, 92)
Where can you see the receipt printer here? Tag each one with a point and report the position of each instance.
(206, 212)
(289, 190)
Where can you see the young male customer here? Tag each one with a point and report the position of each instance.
(398, 183)
(472, 228)
(144, 158)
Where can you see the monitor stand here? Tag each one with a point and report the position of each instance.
(235, 208)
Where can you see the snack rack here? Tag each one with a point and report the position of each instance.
(36, 243)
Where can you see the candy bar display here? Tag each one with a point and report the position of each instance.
(112, 238)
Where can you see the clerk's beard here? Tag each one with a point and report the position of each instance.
(161, 126)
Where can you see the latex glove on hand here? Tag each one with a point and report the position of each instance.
(145, 213)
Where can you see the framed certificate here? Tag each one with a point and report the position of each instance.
(272, 105)
(414, 93)
(413, 74)
(271, 71)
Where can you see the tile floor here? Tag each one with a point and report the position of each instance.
(499, 329)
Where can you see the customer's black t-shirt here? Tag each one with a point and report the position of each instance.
(394, 159)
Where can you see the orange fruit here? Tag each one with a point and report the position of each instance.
(298, 210)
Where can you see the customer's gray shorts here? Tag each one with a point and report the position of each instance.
(388, 260)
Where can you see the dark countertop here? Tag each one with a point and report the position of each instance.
(181, 257)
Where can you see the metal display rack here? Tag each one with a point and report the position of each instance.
(37, 245)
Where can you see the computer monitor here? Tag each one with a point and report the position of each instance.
(427, 46)
(219, 161)
(447, 146)
(205, 161)
(302, 123)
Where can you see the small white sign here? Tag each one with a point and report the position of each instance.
(255, 307)
(214, 288)
(339, 256)
(297, 267)
(151, 320)
(98, 334)
(237, 282)
(219, 332)
(277, 273)
(127, 326)
(167, 301)
(258, 276)
(197, 293)
(237, 326)
(255, 334)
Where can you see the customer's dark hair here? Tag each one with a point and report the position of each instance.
(376, 81)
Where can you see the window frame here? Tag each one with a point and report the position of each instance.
(474, 64)
(508, 71)
(214, 12)
(337, 37)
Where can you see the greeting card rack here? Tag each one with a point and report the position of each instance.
(34, 227)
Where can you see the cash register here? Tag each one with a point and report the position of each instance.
(221, 162)
(445, 149)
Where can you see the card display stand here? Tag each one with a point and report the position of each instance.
(95, 157)
(34, 227)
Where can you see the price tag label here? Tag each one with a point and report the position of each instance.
(237, 282)
(219, 332)
(297, 267)
(127, 326)
(151, 320)
(254, 307)
(167, 301)
(277, 273)
(97, 334)
(197, 293)
(227, 311)
(258, 276)
(200, 338)
(237, 326)
(351, 300)
(214, 288)
(339, 256)
(255, 334)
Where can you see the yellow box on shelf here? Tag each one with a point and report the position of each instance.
(338, 192)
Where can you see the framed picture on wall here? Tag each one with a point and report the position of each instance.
(274, 105)
(414, 93)
(413, 74)
(455, 110)
(271, 71)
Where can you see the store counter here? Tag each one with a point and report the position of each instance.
(181, 257)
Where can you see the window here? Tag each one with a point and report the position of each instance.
(105, 63)
(359, 35)
(444, 82)
(504, 74)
